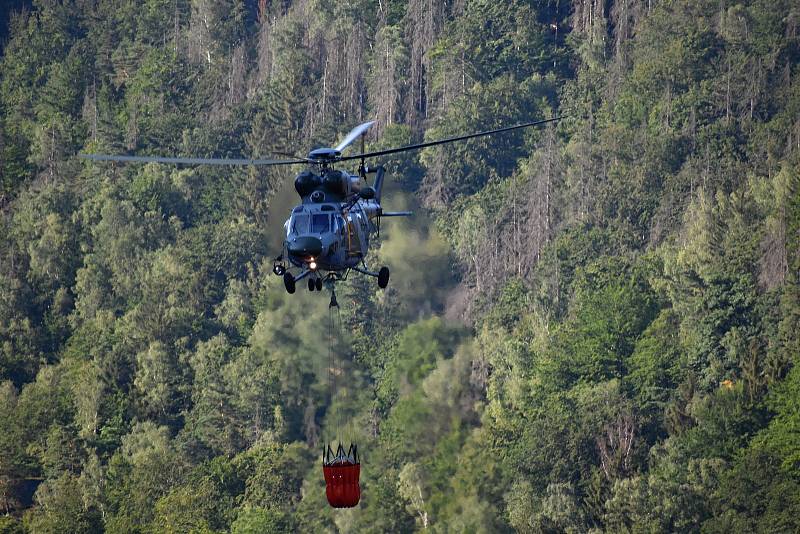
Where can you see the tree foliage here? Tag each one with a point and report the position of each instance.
(591, 326)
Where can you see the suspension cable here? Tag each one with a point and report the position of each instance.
(331, 370)
(340, 362)
(332, 366)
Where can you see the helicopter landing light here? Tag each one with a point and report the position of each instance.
(312, 264)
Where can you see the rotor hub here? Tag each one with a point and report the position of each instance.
(324, 155)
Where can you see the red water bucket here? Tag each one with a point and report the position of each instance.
(341, 484)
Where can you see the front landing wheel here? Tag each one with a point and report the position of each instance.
(288, 282)
(383, 277)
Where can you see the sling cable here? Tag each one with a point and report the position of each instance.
(341, 469)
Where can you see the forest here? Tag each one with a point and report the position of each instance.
(592, 326)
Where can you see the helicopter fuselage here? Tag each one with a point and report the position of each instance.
(330, 236)
(329, 232)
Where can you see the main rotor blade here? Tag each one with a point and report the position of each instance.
(192, 161)
(353, 135)
(287, 154)
(447, 140)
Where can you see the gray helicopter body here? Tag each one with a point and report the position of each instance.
(332, 226)
(329, 232)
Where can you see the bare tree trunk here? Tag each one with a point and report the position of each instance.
(324, 91)
(265, 54)
(177, 29)
(425, 19)
(236, 74)
(615, 446)
(89, 110)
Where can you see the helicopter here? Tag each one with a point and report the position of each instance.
(328, 234)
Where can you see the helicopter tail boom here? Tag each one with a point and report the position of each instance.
(397, 213)
(378, 186)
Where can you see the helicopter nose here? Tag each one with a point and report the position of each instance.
(305, 246)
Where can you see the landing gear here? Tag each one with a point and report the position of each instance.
(383, 277)
(315, 284)
(288, 282)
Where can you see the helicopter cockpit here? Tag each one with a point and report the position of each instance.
(309, 220)
(313, 234)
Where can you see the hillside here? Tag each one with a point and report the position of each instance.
(590, 327)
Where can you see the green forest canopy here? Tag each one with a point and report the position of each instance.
(594, 326)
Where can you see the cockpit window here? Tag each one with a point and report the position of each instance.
(299, 223)
(320, 223)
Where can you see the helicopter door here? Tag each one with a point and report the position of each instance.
(353, 236)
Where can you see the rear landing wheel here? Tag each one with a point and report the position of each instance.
(288, 282)
(383, 277)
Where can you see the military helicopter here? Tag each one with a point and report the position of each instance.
(328, 234)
